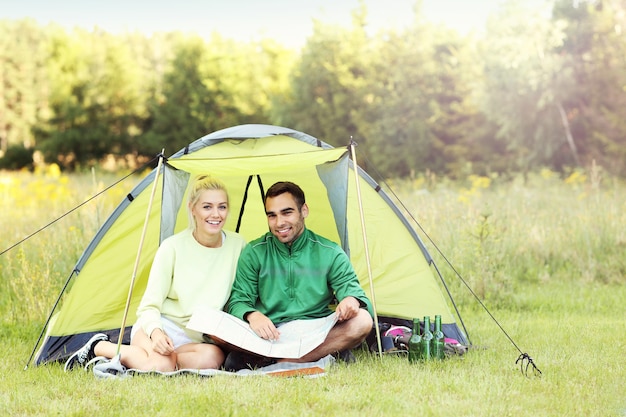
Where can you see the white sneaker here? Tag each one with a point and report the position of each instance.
(86, 353)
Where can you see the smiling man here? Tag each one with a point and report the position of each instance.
(292, 273)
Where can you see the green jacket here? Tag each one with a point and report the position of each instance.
(293, 282)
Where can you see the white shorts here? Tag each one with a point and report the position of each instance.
(178, 335)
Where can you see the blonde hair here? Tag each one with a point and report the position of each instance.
(200, 184)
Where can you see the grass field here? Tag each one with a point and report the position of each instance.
(544, 254)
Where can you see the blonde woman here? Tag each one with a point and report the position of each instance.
(193, 267)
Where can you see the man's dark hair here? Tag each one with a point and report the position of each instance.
(282, 187)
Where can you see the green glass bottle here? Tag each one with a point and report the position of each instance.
(427, 337)
(437, 344)
(415, 342)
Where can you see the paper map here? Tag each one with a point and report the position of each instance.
(297, 338)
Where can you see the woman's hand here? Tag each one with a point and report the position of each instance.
(161, 343)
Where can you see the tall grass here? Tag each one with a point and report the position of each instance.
(503, 236)
(544, 254)
(44, 233)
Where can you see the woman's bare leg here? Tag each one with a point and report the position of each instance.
(138, 355)
(200, 356)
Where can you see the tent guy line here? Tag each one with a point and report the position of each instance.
(77, 207)
(523, 358)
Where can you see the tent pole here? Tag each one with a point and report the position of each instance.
(143, 235)
(365, 245)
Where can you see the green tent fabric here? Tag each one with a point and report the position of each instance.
(249, 158)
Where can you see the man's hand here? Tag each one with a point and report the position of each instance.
(161, 343)
(347, 308)
(262, 326)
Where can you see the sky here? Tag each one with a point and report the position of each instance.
(288, 21)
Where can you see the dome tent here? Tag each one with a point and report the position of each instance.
(249, 158)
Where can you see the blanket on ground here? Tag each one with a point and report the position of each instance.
(114, 369)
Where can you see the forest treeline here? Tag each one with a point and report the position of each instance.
(537, 89)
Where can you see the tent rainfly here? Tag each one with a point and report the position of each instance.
(396, 267)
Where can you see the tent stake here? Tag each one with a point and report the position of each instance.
(143, 235)
(365, 245)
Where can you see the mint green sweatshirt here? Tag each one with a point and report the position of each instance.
(185, 274)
